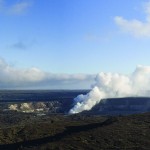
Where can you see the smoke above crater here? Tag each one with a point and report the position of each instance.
(113, 85)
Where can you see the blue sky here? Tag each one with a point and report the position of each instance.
(72, 38)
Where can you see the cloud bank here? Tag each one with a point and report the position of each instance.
(135, 27)
(111, 85)
(11, 77)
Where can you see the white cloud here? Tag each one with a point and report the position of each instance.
(96, 38)
(11, 77)
(136, 27)
(17, 8)
(147, 9)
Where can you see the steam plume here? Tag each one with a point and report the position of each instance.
(110, 85)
